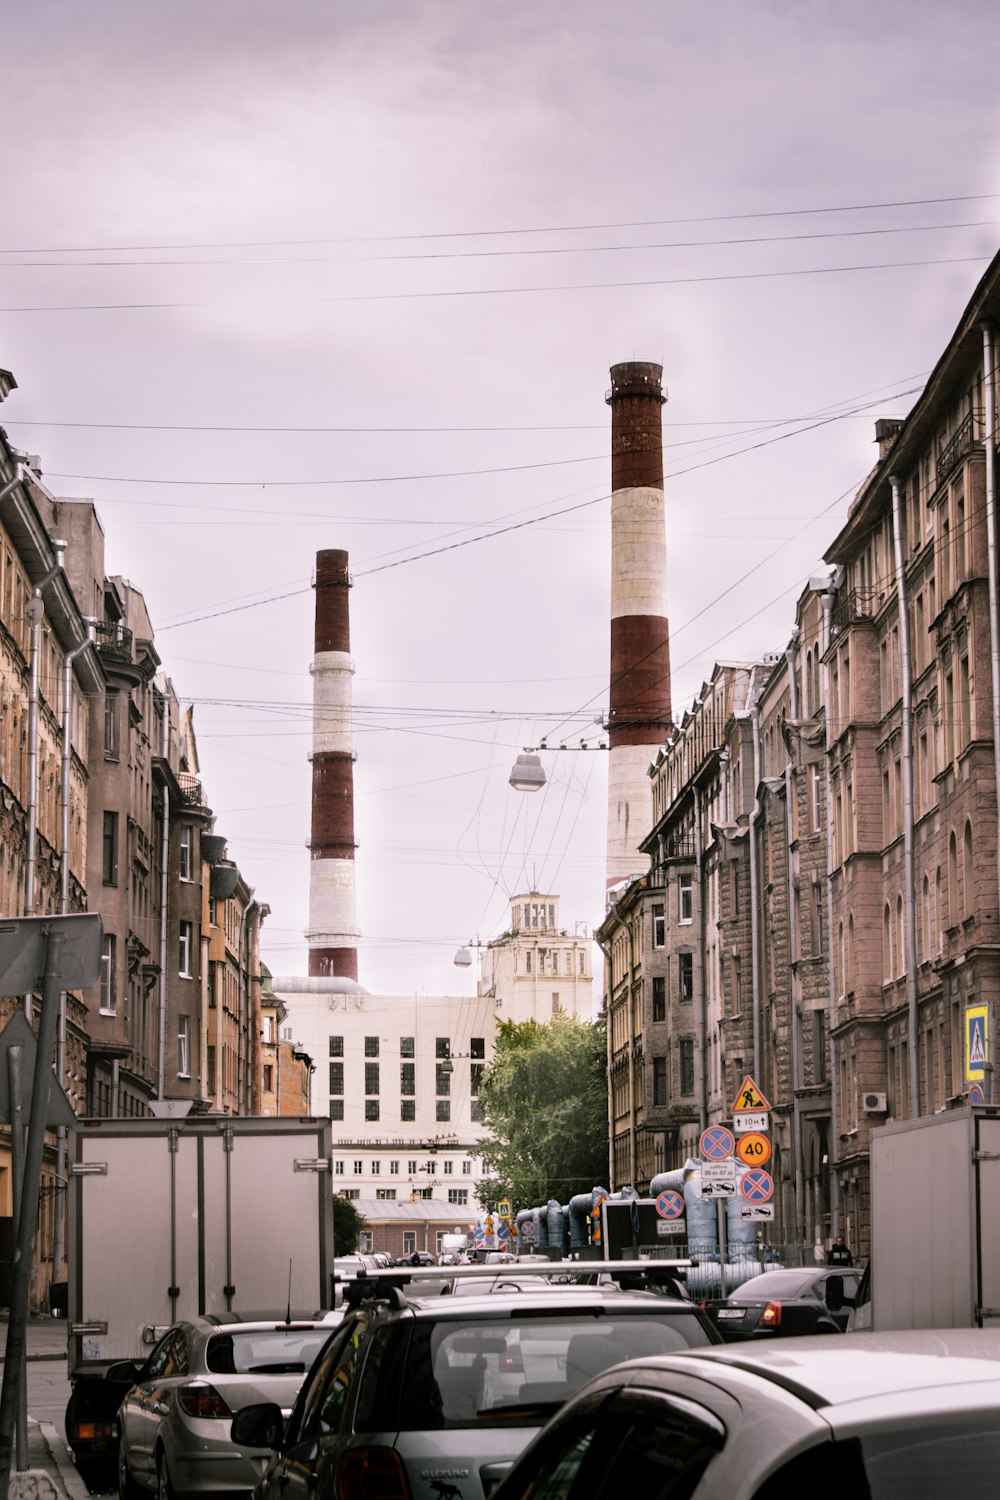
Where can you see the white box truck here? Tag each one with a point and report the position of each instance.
(935, 1261)
(173, 1218)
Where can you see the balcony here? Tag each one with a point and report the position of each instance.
(962, 441)
(114, 642)
(852, 605)
(191, 790)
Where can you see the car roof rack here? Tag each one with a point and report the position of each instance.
(378, 1283)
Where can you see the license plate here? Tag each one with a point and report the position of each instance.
(731, 1312)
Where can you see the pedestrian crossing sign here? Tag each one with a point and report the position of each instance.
(977, 1042)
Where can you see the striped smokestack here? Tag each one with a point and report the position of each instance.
(333, 921)
(639, 718)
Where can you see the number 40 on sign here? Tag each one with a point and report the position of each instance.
(754, 1149)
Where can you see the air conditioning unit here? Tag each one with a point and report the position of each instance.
(874, 1104)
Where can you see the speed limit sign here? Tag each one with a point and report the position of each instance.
(754, 1149)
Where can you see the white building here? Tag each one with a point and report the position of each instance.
(536, 968)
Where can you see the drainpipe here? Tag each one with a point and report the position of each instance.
(633, 1165)
(795, 984)
(64, 800)
(755, 943)
(250, 1071)
(827, 602)
(724, 759)
(990, 445)
(161, 1016)
(36, 613)
(699, 865)
(909, 876)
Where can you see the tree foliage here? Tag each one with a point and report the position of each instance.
(544, 1098)
(347, 1226)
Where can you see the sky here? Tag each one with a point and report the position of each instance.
(351, 274)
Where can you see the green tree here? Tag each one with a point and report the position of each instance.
(544, 1099)
(347, 1226)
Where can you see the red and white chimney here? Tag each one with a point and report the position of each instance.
(639, 719)
(333, 920)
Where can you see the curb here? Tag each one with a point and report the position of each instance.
(62, 1463)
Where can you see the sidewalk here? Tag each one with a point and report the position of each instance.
(50, 1474)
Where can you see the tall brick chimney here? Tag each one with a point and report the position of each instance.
(333, 921)
(639, 720)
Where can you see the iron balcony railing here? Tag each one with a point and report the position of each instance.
(962, 441)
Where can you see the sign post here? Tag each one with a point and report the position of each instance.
(66, 953)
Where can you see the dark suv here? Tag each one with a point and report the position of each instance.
(433, 1398)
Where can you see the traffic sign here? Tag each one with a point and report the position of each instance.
(670, 1204)
(754, 1149)
(977, 1042)
(757, 1185)
(717, 1143)
(975, 1095)
(751, 1119)
(749, 1096)
(718, 1178)
(503, 1208)
(666, 1227)
(757, 1212)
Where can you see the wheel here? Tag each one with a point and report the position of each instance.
(127, 1487)
(164, 1489)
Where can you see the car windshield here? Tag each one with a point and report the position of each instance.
(509, 1371)
(275, 1351)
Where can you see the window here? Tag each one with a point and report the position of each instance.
(442, 1046)
(371, 1046)
(459, 1196)
(475, 1078)
(336, 1078)
(268, 1078)
(659, 998)
(685, 975)
(527, 963)
(659, 926)
(411, 1167)
(109, 849)
(210, 1070)
(407, 1078)
(442, 1078)
(408, 1109)
(376, 1168)
(449, 1168)
(476, 1112)
(556, 1003)
(659, 1080)
(187, 851)
(109, 976)
(213, 912)
(407, 1046)
(394, 1169)
(112, 719)
(409, 1241)
(685, 899)
(336, 1109)
(387, 1194)
(555, 961)
(352, 1194)
(466, 1169)
(185, 948)
(338, 1168)
(371, 1078)
(477, 1046)
(442, 1109)
(336, 1046)
(687, 1065)
(184, 1046)
(358, 1167)
(267, 1030)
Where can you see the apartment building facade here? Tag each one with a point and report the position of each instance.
(824, 914)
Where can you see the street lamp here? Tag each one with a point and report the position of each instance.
(528, 773)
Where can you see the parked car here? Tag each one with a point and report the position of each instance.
(787, 1302)
(432, 1398)
(173, 1424)
(908, 1416)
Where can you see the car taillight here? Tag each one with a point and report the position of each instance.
(771, 1316)
(372, 1474)
(202, 1401)
(91, 1432)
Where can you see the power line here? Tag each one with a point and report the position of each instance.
(499, 291)
(371, 239)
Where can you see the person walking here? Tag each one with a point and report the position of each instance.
(839, 1254)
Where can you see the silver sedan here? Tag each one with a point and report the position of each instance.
(174, 1424)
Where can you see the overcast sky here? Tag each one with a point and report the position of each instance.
(351, 273)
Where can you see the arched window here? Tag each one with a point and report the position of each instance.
(939, 909)
(841, 975)
(809, 684)
(886, 944)
(970, 888)
(953, 906)
(852, 956)
(928, 933)
(900, 938)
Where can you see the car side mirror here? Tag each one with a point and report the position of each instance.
(125, 1371)
(260, 1426)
